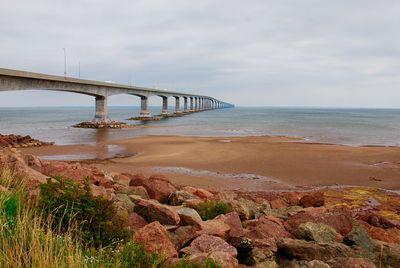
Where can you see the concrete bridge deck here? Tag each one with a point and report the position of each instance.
(11, 80)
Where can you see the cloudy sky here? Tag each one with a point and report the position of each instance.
(343, 53)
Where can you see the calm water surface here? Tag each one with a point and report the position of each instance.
(341, 126)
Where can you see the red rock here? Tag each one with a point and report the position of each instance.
(193, 203)
(135, 222)
(232, 219)
(76, 171)
(391, 235)
(202, 193)
(222, 258)
(155, 239)
(189, 216)
(265, 231)
(13, 160)
(103, 192)
(183, 234)
(340, 220)
(278, 203)
(215, 227)
(122, 179)
(341, 262)
(151, 211)
(157, 186)
(315, 199)
(207, 244)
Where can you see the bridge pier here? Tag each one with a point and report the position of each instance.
(191, 104)
(164, 106)
(101, 114)
(144, 107)
(177, 105)
(185, 104)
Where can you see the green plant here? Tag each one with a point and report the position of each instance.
(68, 204)
(210, 209)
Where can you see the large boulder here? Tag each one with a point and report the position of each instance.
(157, 186)
(389, 235)
(208, 244)
(135, 222)
(351, 262)
(151, 211)
(189, 216)
(265, 231)
(179, 197)
(232, 219)
(340, 220)
(316, 232)
(201, 193)
(215, 227)
(315, 199)
(183, 235)
(222, 258)
(310, 250)
(154, 238)
(359, 237)
(23, 166)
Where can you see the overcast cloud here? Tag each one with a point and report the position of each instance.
(251, 53)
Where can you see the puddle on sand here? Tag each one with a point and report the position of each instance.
(202, 173)
(103, 152)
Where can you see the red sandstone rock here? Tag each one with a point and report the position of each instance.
(207, 244)
(215, 227)
(157, 186)
(278, 203)
(183, 235)
(341, 262)
(13, 159)
(189, 216)
(315, 199)
(17, 141)
(265, 231)
(204, 194)
(103, 192)
(222, 258)
(151, 211)
(232, 219)
(391, 235)
(155, 239)
(135, 222)
(293, 198)
(340, 220)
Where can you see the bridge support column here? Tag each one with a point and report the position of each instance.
(185, 104)
(196, 104)
(144, 107)
(164, 106)
(191, 104)
(177, 105)
(101, 114)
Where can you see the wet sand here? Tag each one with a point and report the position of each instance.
(241, 163)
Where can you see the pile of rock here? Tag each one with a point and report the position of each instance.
(18, 141)
(100, 124)
(331, 228)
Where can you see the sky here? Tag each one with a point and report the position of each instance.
(342, 53)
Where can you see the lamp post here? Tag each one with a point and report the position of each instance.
(65, 62)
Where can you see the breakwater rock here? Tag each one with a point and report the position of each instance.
(18, 141)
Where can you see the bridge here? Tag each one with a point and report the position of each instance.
(11, 80)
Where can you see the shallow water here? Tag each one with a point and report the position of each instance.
(340, 126)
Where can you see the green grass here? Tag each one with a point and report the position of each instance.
(211, 209)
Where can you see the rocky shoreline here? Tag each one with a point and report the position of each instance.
(18, 141)
(346, 227)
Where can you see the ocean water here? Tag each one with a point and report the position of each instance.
(339, 126)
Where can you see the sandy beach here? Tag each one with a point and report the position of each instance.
(242, 163)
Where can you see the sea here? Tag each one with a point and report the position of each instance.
(354, 127)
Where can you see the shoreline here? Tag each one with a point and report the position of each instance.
(280, 162)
